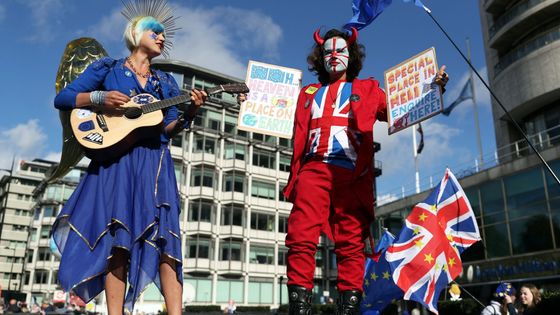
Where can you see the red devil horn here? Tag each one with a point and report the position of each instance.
(318, 39)
(353, 37)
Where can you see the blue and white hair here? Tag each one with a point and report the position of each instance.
(136, 28)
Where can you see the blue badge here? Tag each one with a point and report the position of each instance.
(128, 73)
(86, 125)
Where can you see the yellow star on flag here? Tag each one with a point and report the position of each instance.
(433, 208)
(451, 262)
(386, 275)
(373, 276)
(366, 282)
(418, 243)
(416, 230)
(449, 237)
(437, 266)
(428, 258)
(444, 267)
(422, 217)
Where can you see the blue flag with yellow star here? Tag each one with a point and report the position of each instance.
(379, 287)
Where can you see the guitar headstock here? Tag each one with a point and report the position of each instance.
(229, 88)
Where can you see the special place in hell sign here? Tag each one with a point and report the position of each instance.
(412, 95)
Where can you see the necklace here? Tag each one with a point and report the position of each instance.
(143, 75)
(333, 99)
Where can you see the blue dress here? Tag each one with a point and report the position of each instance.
(130, 203)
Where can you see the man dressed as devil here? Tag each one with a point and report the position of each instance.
(331, 177)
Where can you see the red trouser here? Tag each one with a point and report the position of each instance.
(324, 199)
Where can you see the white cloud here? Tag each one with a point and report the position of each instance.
(45, 14)
(212, 38)
(25, 140)
(53, 156)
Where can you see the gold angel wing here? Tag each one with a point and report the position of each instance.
(78, 55)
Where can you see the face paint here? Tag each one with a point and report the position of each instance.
(336, 55)
(153, 36)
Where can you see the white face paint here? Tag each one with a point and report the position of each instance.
(336, 54)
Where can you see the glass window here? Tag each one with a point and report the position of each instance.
(44, 254)
(203, 289)
(234, 181)
(45, 231)
(260, 292)
(283, 224)
(497, 244)
(285, 163)
(530, 234)
(201, 210)
(202, 176)
(204, 144)
(234, 151)
(525, 193)
(232, 215)
(229, 290)
(41, 276)
(230, 250)
(199, 247)
(492, 202)
(261, 255)
(263, 190)
(264, 158)
(262, 221)
(282, 256)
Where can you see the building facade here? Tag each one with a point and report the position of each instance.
(233, 219)
(17, 211)
(522, 46)
(516, 201)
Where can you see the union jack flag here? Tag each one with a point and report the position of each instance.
(425, 257)
(332, 134)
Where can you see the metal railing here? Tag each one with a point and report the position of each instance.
(511, 14)
(543, 140)
(525, 49)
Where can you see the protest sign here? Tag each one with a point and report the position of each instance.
(271, 102)
(411, 94)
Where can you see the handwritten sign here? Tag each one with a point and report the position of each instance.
(271, 102)
(411, 94)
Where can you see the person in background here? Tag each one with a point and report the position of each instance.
(529, 297)
(498, 304)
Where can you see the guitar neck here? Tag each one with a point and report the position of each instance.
(152, 107)
(184, 98)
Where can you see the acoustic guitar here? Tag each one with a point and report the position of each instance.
(109, 133)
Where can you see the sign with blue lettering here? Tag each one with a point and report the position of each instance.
(412, 95)
(270, 106)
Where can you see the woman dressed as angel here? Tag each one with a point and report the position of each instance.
(121, 224)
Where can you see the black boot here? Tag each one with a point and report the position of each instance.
(300, 300)
(349, 303)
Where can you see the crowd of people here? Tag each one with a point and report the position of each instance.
(506, 301)
(14, 306)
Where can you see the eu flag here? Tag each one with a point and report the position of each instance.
(365, 11)
(379, 287)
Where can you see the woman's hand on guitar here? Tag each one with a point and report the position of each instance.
(198, 97)
(114, 99)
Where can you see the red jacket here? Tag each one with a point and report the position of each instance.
(368, 104)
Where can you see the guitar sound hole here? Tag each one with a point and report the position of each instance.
(133, 112)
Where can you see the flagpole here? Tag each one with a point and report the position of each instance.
(475, 109)
(508, 114)
(415, 153)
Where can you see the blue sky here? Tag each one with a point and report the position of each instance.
(224, 36)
